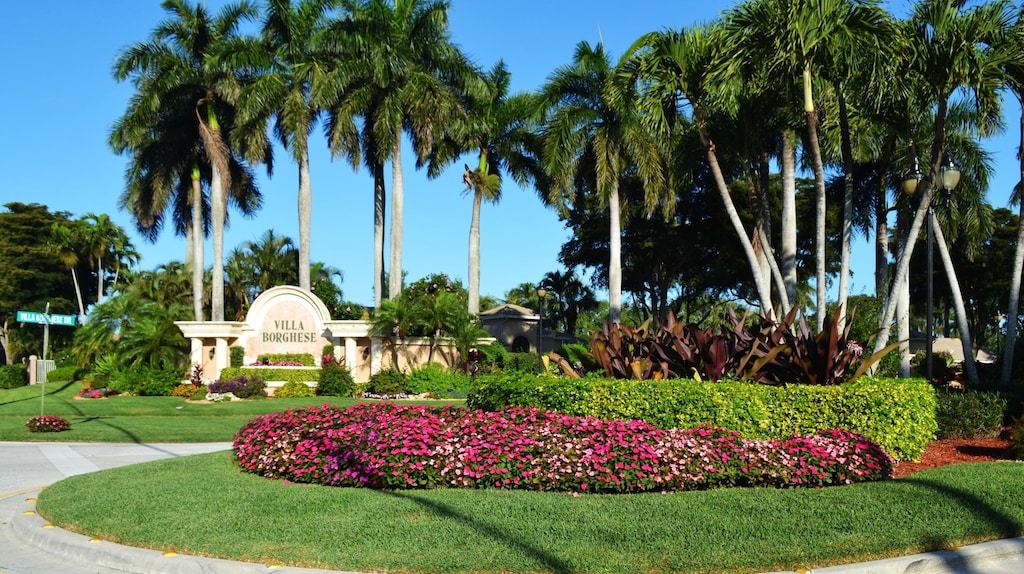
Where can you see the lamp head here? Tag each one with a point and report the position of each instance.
(950, 174)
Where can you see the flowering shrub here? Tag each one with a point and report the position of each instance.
(90, 393)
(384, 445)
(242, 387)
(47, 424)
(293, 389)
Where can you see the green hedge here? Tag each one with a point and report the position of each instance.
(237, 355)
(899, 414)
(66, 373)
(13, 376)
(286, 374)
(305, 359)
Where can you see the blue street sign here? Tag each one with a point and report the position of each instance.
(44, 319)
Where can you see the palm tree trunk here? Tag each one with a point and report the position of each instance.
(844, 259)
(763, 292)
(474, 255)
(196, 246)
(217, 215)
(305, 216)
(397, 214)
(901, 287)
(614, 255)
(378, 233)
(958, 302)
(881, 240)
(1015, 278)
(78, 293)
(819, 185)
(789, 218)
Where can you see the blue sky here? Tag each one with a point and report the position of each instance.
(61, 99)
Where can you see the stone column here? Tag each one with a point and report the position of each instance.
(351, 356)
(376, 355)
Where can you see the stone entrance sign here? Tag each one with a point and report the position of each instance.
(285, 320)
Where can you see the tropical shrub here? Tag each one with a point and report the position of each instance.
(189, 391)
(293, 389)
(145, 381)
(494, 356)
(47, 424)
(523, 363)
(899, 414)
(434, 378)
(242, 386)
(386, 383)
(335, 379)
(390, 446)
(965, 413)
(13, 376)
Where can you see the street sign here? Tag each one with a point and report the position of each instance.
(44, 319)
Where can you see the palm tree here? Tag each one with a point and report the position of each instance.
(103, 238)
(169, 171)
(951, 50)
(499, 128)
(1014, 49)
(273, 260)
(184, 58)
(684, 67)
(571, 295)
(66, 243)
(289, 69)
(816, 37)
(395, 66)
(593, 124)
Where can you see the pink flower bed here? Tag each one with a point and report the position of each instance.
(388, 446)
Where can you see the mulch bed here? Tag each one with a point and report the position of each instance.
(953, 451)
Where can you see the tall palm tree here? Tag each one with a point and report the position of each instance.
(593, 115)
(952, 50)
(684, 68)
(169, 173)
(66, 242)
(184, 58)
(571, 295)
(395, 66)
(104, 239)
(501, 130)
(1013, 47)
(282, 91)
(816, 38)
(273, 260)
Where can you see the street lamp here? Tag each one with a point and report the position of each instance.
(949, 178)
(541, 294)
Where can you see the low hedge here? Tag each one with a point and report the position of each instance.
(899, 414)
(286, 374)
(13, 376)
(970, 413)
(304, 359)
(66, 373)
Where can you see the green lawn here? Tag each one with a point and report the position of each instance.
(134, 419)
(204, 505)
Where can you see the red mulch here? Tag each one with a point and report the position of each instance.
(952, 451)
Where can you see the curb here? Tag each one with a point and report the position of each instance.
(973, 558)
(32, 530)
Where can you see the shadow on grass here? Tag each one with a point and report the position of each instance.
(550, 561)
(1006, 526)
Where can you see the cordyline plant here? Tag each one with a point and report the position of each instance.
(773, 353)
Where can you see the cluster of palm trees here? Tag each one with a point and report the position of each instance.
(98, 240)
(837, 88)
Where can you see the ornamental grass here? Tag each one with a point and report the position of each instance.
(390, 446)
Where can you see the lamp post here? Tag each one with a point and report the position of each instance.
(949, 178)
(541, 294)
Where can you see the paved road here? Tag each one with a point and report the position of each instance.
(28, 547)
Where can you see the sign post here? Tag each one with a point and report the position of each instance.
(45, 319)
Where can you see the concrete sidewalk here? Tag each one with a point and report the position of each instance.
(28, 545)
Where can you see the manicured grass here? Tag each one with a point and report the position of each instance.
(135, 419)
(204, 505)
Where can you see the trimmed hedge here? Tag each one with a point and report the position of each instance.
(286, 374)
(237, 355)
(304, 359)
(66, 373)
(898, 414)
(13, 376)
(970, 413)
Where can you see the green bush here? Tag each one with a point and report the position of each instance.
(898, 414)
(387, 382)
(293, 389)
(13, 376)
(304, 359)
(969, 413)
(302, 375)
(434, 378)
(66, 373)
(494, 356)
(335, 381)
(237, 356)
(523, 363)
(145, 381)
